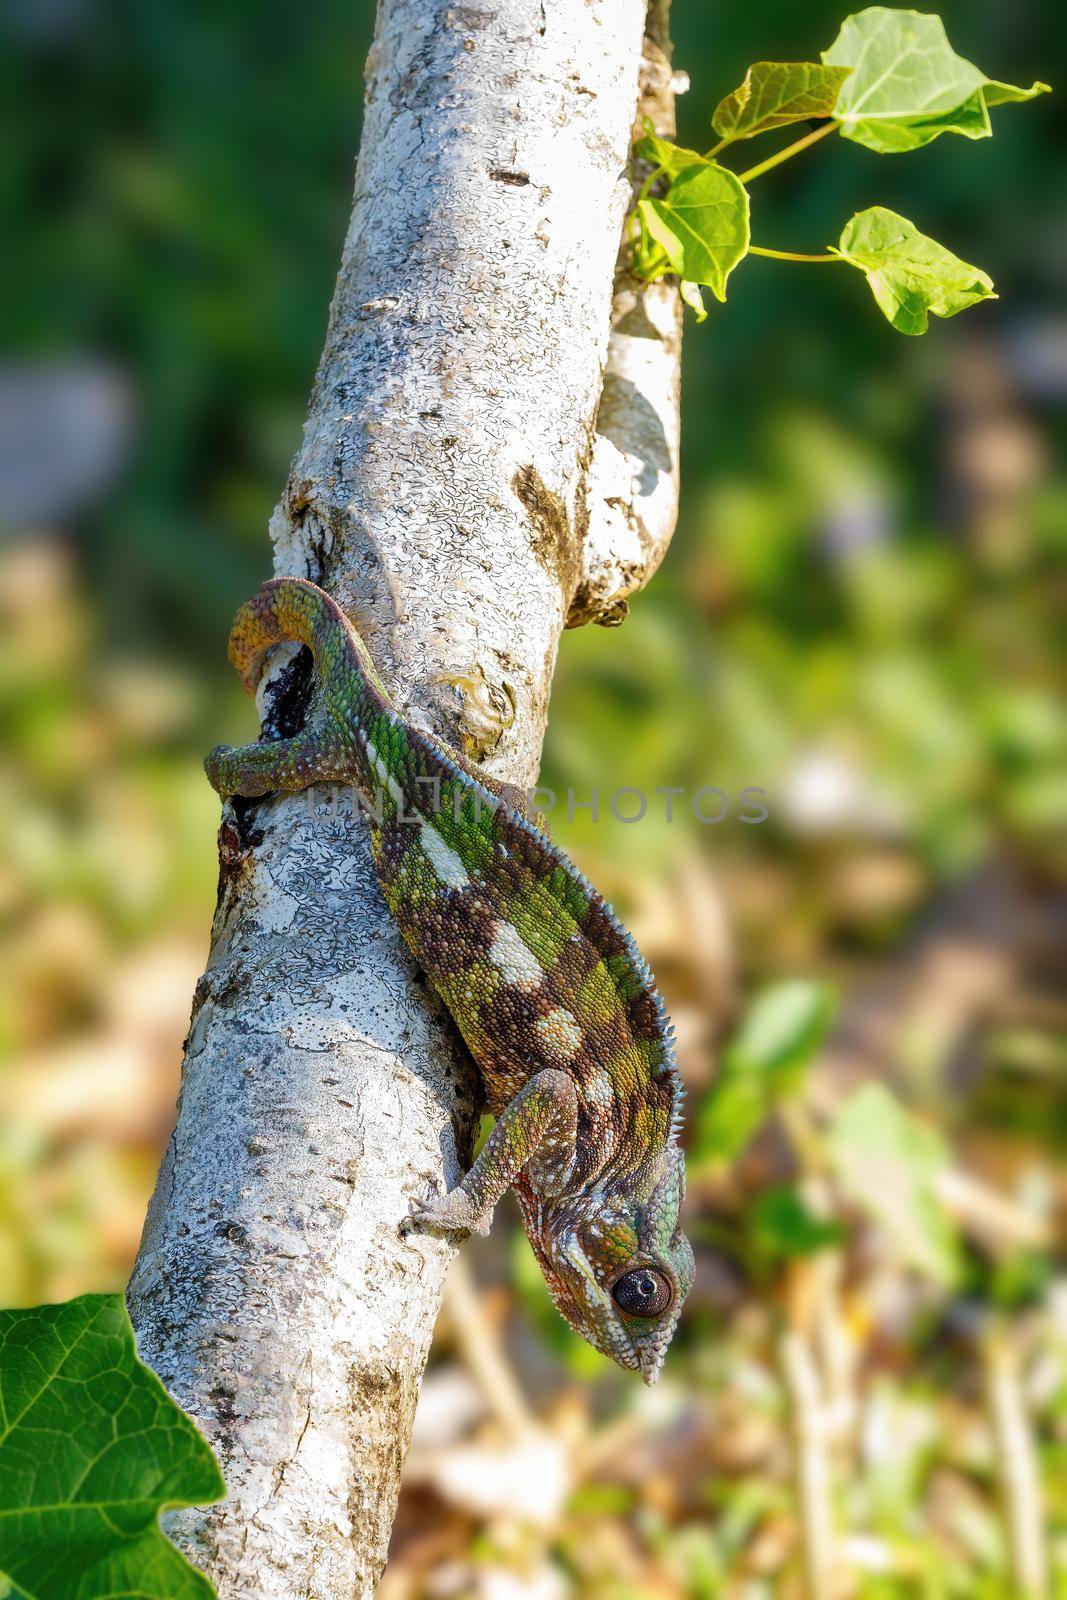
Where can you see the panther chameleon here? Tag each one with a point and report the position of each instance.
(556, 1005)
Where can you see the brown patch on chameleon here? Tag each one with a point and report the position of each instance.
(556, 1006)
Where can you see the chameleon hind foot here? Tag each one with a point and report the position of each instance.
(453, 1211)
(282, 764)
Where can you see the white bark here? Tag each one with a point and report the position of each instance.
(440, 493)
(633, 472)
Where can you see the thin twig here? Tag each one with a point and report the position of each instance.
(482, 1353)
(995, 1219)
(811, 1464)
(790, 150)
(836, 1355)
(1017, 1465)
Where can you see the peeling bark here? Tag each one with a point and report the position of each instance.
(632, 493)
(440, 493)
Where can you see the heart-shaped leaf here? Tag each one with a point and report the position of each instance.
(701, 224)
(663, 155)
(907, 84)
(910, 274)
(92, 1448)
(775, 93)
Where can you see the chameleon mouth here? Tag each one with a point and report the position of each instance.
(626, 1356)
(650, 1361)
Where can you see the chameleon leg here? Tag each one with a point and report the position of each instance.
(350, 697)
(542, 1121)
(289, 764)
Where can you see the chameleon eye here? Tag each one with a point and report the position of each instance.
(642, 1292)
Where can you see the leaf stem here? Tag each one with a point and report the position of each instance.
(789, 255)
(709, 155)
(793, 149)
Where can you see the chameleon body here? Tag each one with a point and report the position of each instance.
(547, 988)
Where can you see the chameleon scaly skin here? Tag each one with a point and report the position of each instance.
(547, 988)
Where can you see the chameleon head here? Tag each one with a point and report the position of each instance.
(619, 1267)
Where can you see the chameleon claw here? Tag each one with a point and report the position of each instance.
(452, 1211)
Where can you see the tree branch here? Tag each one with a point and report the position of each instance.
(633, 469)
(440, 494)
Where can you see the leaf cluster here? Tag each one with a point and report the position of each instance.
(891, 82)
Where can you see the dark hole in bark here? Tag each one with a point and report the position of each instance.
(249, 837)
(288, 697)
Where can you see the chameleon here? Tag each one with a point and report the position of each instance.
(553, 1000)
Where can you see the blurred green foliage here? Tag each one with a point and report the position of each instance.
(765, 1062)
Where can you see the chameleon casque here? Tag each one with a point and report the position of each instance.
(554, 1001)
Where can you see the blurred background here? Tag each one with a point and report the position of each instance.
(862, 614)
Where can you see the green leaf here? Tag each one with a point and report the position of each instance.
(698, 230)
(692, 297)
(784, 1227)
(92, 1448)
(766, 1060)
(728, 1117)
(888, 1162)
(785, 1027)
(908, 85)
(775, 93)
(649, 257)
(701, 224)
(663, 155)
(910, 274)
(1002, 94)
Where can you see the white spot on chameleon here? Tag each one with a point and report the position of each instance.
(578, 1258)
(396, 794)
(559, 1033)
(447, 865)
(598, 1091)
(513, 959)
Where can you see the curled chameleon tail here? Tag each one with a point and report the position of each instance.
(554, 1001)
(351, 695)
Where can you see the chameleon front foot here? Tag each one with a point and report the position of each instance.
(453, 1211)
(281, 764)
(545, 1107)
